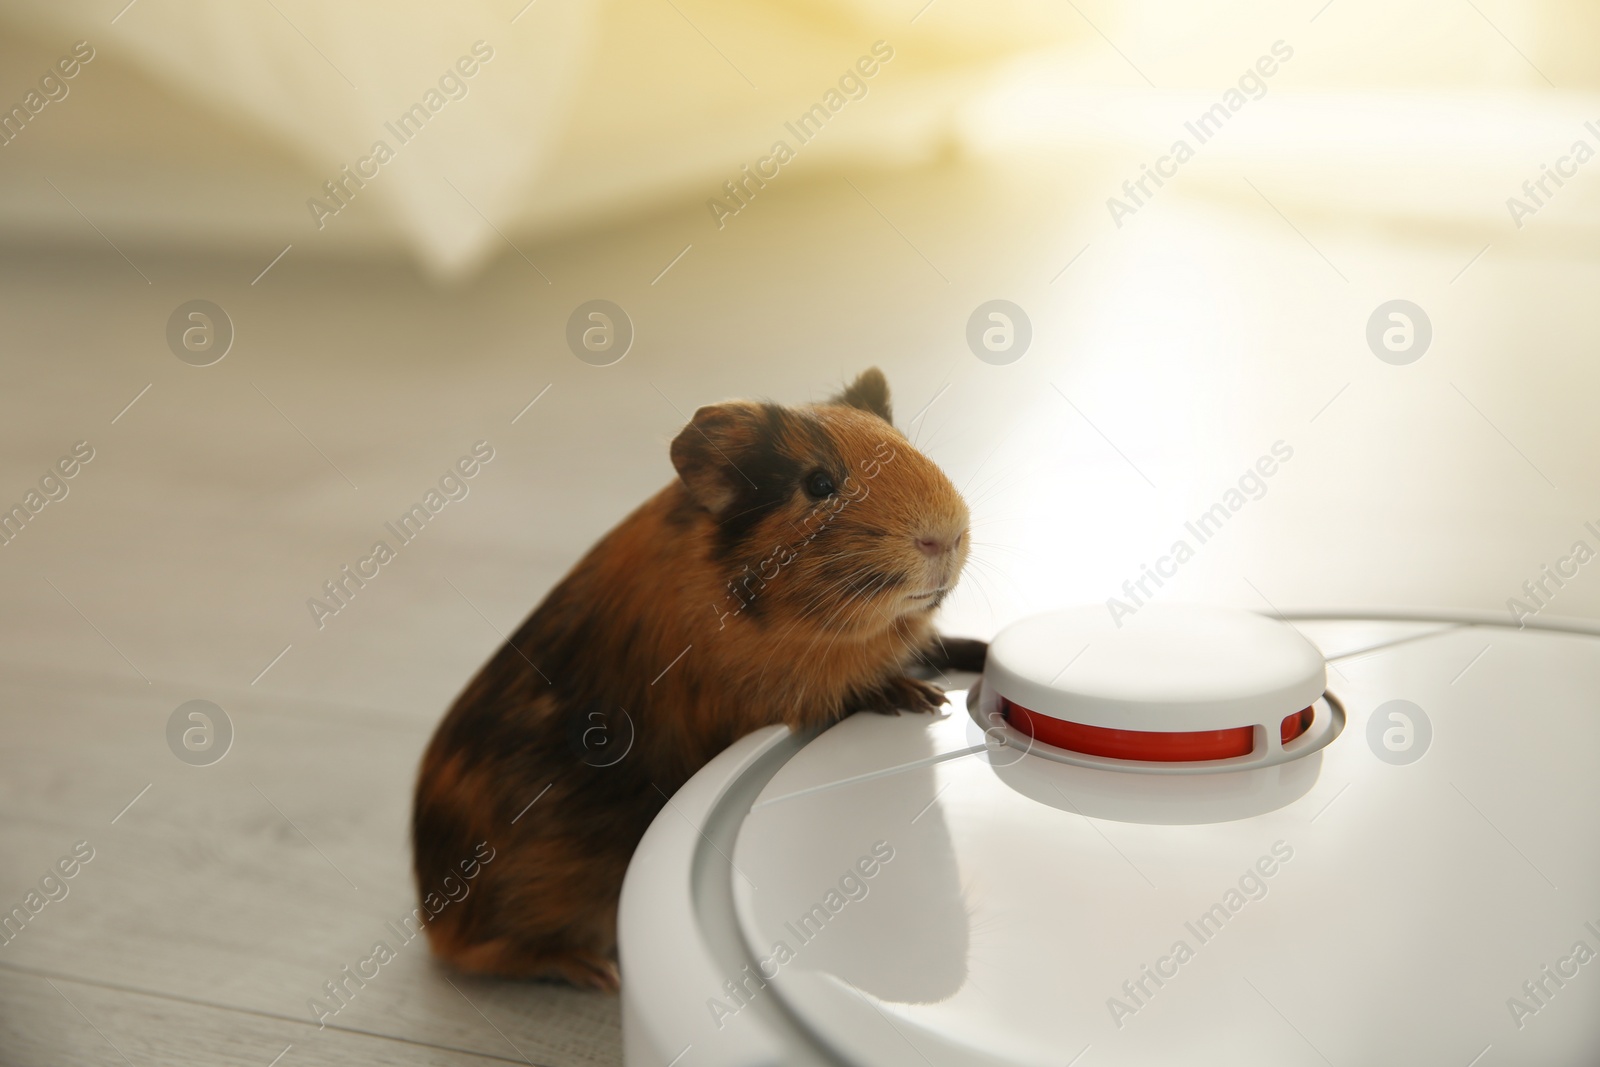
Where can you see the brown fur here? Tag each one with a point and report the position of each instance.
(793, 610)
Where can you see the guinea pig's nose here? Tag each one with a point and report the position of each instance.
(938, 544)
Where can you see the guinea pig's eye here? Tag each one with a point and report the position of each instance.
(819, 484)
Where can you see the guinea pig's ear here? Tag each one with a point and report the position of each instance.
(869, 392)
(704, 451)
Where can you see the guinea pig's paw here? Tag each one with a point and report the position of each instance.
(904, 694)
(587, 970)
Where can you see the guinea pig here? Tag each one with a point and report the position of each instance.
(789, 575)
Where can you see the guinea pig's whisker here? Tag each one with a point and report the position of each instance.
(825, 612)
(832, 587)
(985, 552)
(844, 584)
(803, 618)
(1001, 480)
(820, 601)
(873, 604)
(836, 608)
(861, 599)
(978, 582)
(837, 629)
(780, 572)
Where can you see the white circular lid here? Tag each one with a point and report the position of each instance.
(1168, 667)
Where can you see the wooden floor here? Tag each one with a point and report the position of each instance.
(219, 899)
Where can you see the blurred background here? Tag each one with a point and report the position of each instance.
(369, 315)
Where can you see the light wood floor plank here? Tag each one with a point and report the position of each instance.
(47, 1021)
(248, 884)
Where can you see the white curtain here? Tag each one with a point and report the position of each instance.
(219, 123)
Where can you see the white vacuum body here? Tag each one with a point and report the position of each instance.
(1202, 836)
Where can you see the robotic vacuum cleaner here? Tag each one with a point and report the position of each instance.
(1200, 836)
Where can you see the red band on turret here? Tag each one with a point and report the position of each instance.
(1149, 745)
